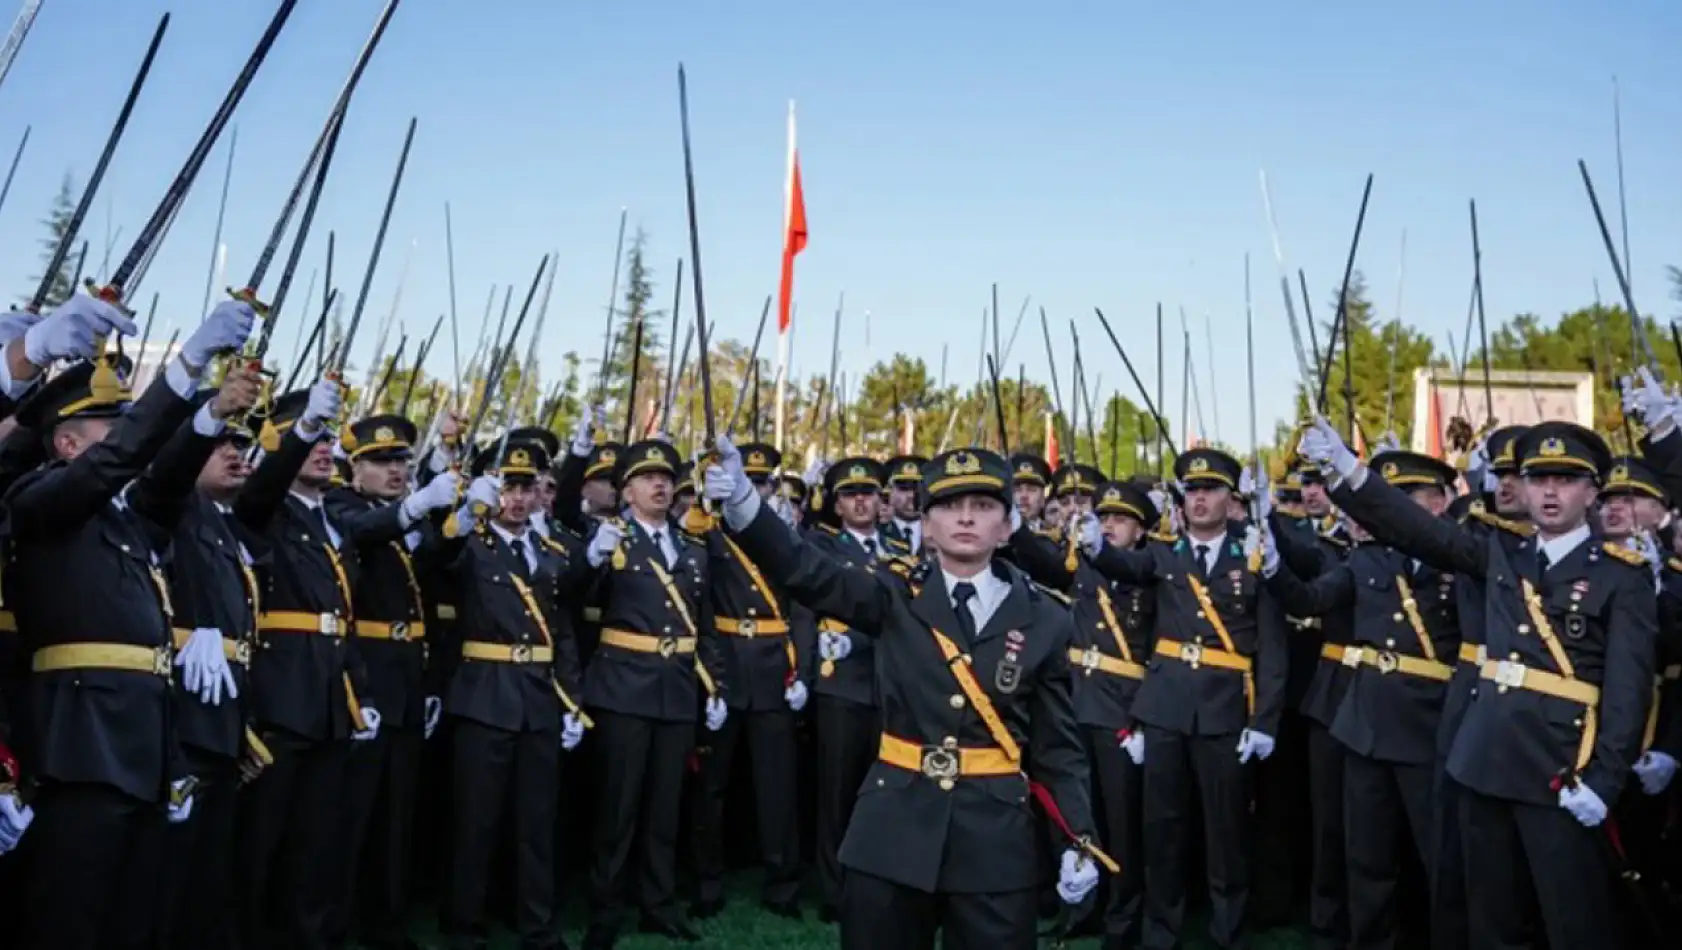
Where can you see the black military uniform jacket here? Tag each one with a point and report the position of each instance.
(1208, 697)
(1517, 739)
(854, 678)
(973, 834)
(307, 683)
(1406, 642)
(1664, 720)
(1114, 629)
(766, 641)
(669, 629)
(85, 570)
(391, 629)
(504, 602)
(1317, 680)
(211, 585)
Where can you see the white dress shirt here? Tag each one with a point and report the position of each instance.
(314, 504)
(875, 545)
(1212, 550)
(526, 544)
(662, 532)
(1561, 547)
(990, 591)
(913, 531)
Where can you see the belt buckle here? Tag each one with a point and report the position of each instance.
(1387, 662)
(748, 627)
(1191, 653)
(242, 652)
(938, 763)
(329, 625)
(1483, 654)
(1091, 658)
(668, 647)
(521, 653)
(161, 664)
(1509, 675)
(1352, 656)
(400, 630)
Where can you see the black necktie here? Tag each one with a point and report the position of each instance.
(519, 548)
(1202, 559)
(870, 546)
(660, 544)
(1541, 561)
(962, 593)
(326, 526)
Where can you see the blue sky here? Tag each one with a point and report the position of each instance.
(1083, 152)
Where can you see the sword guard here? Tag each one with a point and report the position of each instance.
(249, 295)
(110, 293)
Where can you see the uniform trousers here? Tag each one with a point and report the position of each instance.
(1175, 764)
(197, 907)
(382, 778)
(497, 772)
(1387, 807)
(1119, 787)
(849, 735)
(643, 764)
(1523, 858)
(1283, 823)
(878, 914)
(771, 752)
(1447, 862)
(1328, 894)
(93, 858)
(288, 840)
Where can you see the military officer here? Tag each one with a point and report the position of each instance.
(904, 520)
(512, 675)
(1030, 478)
(306, 677)
(659, 662)
(1074, 486)
(683, 496)
(1114, 628)
(1556, 724)
(763, 637)
(1405, 630)
(381, 776)
(106, 758)
(1212, 697)
(973, 662)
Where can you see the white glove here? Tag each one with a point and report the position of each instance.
(438, 493)
(815, 472)
(572, 732)
(1655, 770)
(1390, 443)
(326, 396)
(486, 490)
(717, 712)
(1091, 534)
(204, 667)
(72, 330)
(1322, 444)
(1652, 405)
(1583, 804)
(834, 646)
(1134, 746)
(1246, 482)
(1253, 744)
(1270, 554)
(434, 712)
(180, 811)
(15, 817)
(15, 324)
(783, 509)
(371, 719)
(224, 330)
(1015, 519)
(582, 443)
(1264, 498)
(1077, 877)
(725, 481)
(796, 695)
(605, 541)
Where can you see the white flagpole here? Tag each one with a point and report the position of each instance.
(782, 335)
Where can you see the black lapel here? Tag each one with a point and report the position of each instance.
(1225, 560)
(1015, 612)
(1524, 560)
(1575, 564)
(934, 607)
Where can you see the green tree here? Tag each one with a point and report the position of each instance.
(635, 308)
(1382, 359)
(61, 286)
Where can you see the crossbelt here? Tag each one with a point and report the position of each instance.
(1092, 658)
(102, 656)
(237, 651)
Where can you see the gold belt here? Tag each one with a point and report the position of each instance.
(1196, 654)
(750, 627)
(1092, 658)
(1474, 653)
(945, 762)
(297, 621)
(399, 630)
(1387, 662)
(643, 643)
(102, 656)
(506, 652)
(1507, 674)
(1332, 651)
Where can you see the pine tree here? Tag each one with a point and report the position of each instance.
(635, 307)
(57, 223)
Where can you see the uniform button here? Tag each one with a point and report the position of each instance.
(750, 611)
(668, 604)
(946, 785)
(1200, 615)
(1524, 628)
(1396, 617)
(880, 783)
(1198, 639)
(957, 701)
(950, 742)
(1513, 656)
(1390, 643)
(1577, 722)
(665, 629)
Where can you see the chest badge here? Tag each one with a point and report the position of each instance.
(1575, 626)
(1008, 675)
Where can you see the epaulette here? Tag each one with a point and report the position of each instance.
(904, 567)
(1523, 529)
(1334, 539)
(828, 529)
(1166, 537)
(1632, 558)
(1674, 564)
(1053, 534)
(1053, 593)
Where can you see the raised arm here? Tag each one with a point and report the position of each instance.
(861, 599)
(1330, 591)
(1042, 559)
(161, 493)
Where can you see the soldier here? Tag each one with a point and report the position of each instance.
(543, 506)
(659, 662)
(214, 591)
(381, 775)
(1031, 478)
(1074, 486)
(1213, 694)
(601, 495)
(903, 519)
(306, 678)
(106, 759)
(848, 725)
(1405, 627)
(512, 676)
(683, 496)
(1114, 625)
(1557, 720)
(763, 638)
(943, 837)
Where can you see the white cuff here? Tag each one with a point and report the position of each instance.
(740, 516)
(440, 459)
(405, 518)
(15, 391)
(206, 424)
(308, 432)
(180, 380)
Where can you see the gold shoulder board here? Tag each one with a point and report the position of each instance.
(1624, 554)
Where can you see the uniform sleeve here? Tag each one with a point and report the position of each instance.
(1056, 755)
(265, 491)
(569, 492)
(803, 627)
(1129, 566)
(708, 646)
(363, 524)
(1326, 593)
(1298, 547)
(859, 598)
(160, 493)
(1626, 686)
(1394, 519)
(1273, 664)
(1044, 560)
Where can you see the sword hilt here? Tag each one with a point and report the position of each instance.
(248, 295)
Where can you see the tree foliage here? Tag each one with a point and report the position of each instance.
(57, 222)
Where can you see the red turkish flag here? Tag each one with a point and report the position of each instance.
(794, 229)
